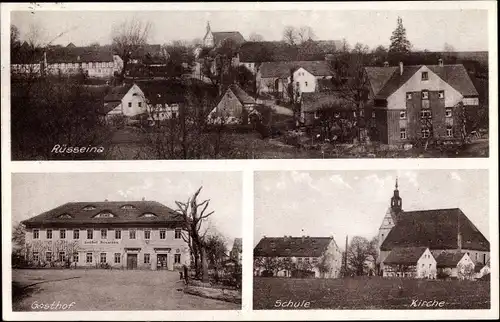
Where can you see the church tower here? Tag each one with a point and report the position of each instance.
(389, 219)
(208, 40)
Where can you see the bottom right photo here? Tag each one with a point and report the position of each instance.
(371, 239)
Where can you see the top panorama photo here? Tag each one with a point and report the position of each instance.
(160, 85)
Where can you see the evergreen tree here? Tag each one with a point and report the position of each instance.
(399, 43)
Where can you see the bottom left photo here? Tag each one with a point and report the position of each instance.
(126, 241)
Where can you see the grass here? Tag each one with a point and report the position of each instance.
(369, 293)
(97, 290)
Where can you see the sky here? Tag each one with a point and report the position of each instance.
(34, 193)
(465, 30)
(354, 203)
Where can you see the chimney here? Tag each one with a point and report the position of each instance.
(400, 68)
(440, 62)
(303, 238)
(386, 64)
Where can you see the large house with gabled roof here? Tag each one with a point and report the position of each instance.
(216, 38)
(441, 230)
(419, 102)
(297, 257)
(119, 234)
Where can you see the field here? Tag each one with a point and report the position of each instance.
(95, 289)
(369, 293)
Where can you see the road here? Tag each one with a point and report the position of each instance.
(110, 290)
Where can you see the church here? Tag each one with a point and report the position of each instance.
(442, 231)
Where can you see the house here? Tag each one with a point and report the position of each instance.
(482, 270)
(164, 100)
(119, 234)
(215, 39)
(126, 100)
(441, 230)
(455, 265)
(26, 61)
(297, 256)
(414, 262)
(275, 77)
(236, 251)
(419, 102)
(234, 107)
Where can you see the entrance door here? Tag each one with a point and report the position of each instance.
(161, 262)
(131, 261)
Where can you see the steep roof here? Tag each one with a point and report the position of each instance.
(221, 36)
(161, 92)
(260, 51)
(241, 95)
(109, 106)
(384, 81)
(449, 259)
(78, 54)
(282, 69)
(237, 245)
(75, 213)
(292, 246)
(436, 229)
(405, 255)
(315, 101)
(116, 93)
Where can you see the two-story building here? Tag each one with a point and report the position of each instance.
(420, 102)
(126, 234)
(413, 262)
(292, 256)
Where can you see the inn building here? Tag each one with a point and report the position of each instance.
(124, 235)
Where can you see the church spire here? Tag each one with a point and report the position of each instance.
(208, 27)
(396, 201)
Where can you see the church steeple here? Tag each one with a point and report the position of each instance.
(208, 27)
(396, 201)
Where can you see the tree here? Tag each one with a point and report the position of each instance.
(179, 57)
(290, 35)
(194, 214)
(216, 246)
(19, 251)
(399, 43)
(358, 253)
(345, 47)
(305, 33)
(128, 37)
(255, 37)
(14, 36)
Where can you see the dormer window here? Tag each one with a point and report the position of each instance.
(104, 214)
(127, 207)
(65, 216)
(89, 207)
(148, 215)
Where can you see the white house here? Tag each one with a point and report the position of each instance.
(456, 265)
(414, 262)
(125, 100)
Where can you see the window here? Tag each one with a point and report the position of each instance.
(448, 112)
(300, 259)
(177, 233)
(48, 256)
(90, 234)
(104, 233)
(402, 136)
(423, 265)
(297, 83)
(128, 206)
(131, 234)
(36, 256)
(89, 207)
(426, 133)
(104, 214)
(129, 104)
(149, 214)
(425, 95)
(65, 216)
(163, 233)
(177, 258)
(146, 258)
(140, 104)
(449, 132)
(103, 258)
(425, 114)
(147, 234)
(118, 258)
(425, 76)
(373, 115)
(441, 94)
(76, 258)
(36, 234)
(316, 115)
(61, 256)
(76, 234)
(306, 84)
(49, 234)
(402, 115)
(118, 234)
(408, 96)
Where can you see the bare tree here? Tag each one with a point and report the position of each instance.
(304, 34)
(256, 37)
(290, 35)
(194, 214)
(128, 37)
